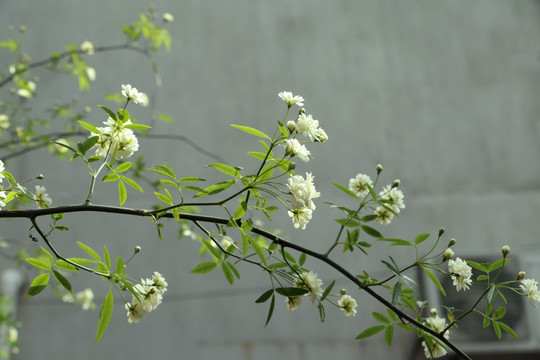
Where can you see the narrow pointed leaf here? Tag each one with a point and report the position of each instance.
(370, 331)
(38, 285)
(62, 280)
(251, 131)
(105, 315)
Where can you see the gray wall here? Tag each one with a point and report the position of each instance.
(442, 93)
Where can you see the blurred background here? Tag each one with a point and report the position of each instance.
(443, 94)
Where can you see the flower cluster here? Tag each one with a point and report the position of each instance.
(116, 138)
(150, 294)
(530, 289)
(435, 349)
(310, 281)
(303, 192)
(461, 273)
(84, 299)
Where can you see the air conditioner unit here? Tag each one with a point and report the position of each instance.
(521, 316)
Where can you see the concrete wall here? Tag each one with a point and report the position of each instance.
(442, 93)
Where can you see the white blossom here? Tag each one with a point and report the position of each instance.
(437, 349)
(384, 216)
(301, 217)
(43, 199)
(308, 127)
(294, 148)
(310, 281)
(320, 135)
(4, 121)
(159, 282)
(115, 134)
(461, 273)
(135, 311)
(530, 289)
(348, 305)
(131, 93)
(291, 99)
(293, 302)
(359, 184)
(150, 295)
(2, 198)
(2, 168)
(448, 254)
(87, 47)
(91, 73)
(13, 335)
(303, 191)
(168, 18)
(84, 298)
(394, 196)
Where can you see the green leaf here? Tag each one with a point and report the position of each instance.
(233, 269)
(65, 265)
(240, 210)
(508, 330)
(86, 145)
(110, 177)
(372, 192)
(499, 263)
(122, 193)
(486, 322)
(291, 291)
(119, 265)
(62, 280)
(283, 130)
(435, 280)
(245, 244)
(137, 127)
(131, 183)
(371, 231)
(499, 313)
(38, 285)
(302, 259)
(190, 179)
(204, 268)
(497, 329)
(87, 249)
(105, 315)
(265, 296)
(420, 238)
(251, 131)
(109, 112)
(270, 310)
(89, 127)
(123, 167)
(227, 169)
(477, 266)
(389, 334)
(107, 257)
(392, 315)
(396, 242)
(83, 261)
(346, 190)
(163, 198)
(396, 293)
(40, 264)
(165, 118)
(216, 188)
(327, 291)
(380, 318)
(257, 249)
(227, 272)
(370, 331)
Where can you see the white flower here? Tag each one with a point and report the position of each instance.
(4, 121)
(320, 135)
(43, 199)
(348, 305)
(359, 184)
(149, 295)
(384, 216)
(135, 311)
(394, 196)
(294, 148)
(84, 298)
(2, 168)
(132, 93)
(437, 349)
(115, 134)
(91, 73)
(301, 217)
(2, 198)
(530, 289)
(293, 302)
(310, 281)
(159, 282)
(28, 90)
(168, 18)
(461, 273)
(13, 335)
(291, 99)
(303, 191)
(87, 47)
(307, 126)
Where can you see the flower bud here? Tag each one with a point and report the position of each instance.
(396, 183)
(292, 166)
(291, 125)
(137, 249)
(168, 18)
(433, 312)
(505, 250)
(447, 254)
(11, 28)
(22, 29)
(39, 177)
(343, 292)
(379, 168)
(452, 242)
(301, 111)
(521, 275)
(441, 231)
